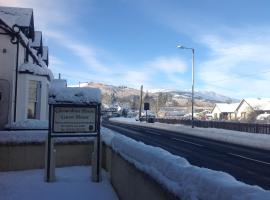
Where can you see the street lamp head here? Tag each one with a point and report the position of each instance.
(180, 47)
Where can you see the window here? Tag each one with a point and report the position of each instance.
(33, 111)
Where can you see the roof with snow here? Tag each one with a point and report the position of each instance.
(36, 69)
(258, 103)
(23, 17)
(74, 95)
(37, 42)
(226, 107)
(45, 54)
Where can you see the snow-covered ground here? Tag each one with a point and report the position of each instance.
(261, 141)
(175, 173)
(72, 183)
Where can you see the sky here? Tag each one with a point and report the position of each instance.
(133, 43)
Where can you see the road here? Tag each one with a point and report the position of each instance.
(246, 164)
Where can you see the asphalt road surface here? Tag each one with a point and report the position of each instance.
(246, 164)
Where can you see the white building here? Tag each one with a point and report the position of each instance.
(253, 106)
(224, 111)
(24, 73)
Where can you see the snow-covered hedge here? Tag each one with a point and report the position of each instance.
(186, 181)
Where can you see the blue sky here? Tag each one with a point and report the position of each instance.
(133, 42)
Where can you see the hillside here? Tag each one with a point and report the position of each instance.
(130, 97)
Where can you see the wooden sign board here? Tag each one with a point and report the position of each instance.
(78, 119)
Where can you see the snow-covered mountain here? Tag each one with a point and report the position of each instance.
(127, 96)
(204, 95)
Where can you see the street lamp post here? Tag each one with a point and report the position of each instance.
(192, 91)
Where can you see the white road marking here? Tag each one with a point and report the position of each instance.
(199, 145)
(247, 158)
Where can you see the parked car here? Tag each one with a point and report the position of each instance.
(150, 117)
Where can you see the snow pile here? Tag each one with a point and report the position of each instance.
(265, 116)
(72, 183)
(74, 95)
(36, 69)
(23, 137)
(186, 181)
(36, 137)
(28, 124)
(261, 141)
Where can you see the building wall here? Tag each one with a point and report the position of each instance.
(7, 76)
(8, 63)
(243, 108)
(216, 113)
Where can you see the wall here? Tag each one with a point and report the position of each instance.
(7, 72)
(244, 108)
(32, 155)
(217, 112)
(131, 183)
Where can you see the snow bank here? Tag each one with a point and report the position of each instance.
(28, 124)
(74, 95)
(186, 181)
(72, 183)
(35, 136)
(261, 141)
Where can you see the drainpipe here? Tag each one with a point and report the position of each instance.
(16, 82)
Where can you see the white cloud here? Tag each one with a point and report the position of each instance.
(168, 65)
(83, 51)
(239, 64)
(46, 13)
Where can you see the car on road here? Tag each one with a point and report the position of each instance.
(150, 117)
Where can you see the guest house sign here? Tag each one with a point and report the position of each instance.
(74, 119)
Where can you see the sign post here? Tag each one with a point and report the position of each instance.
(72, 120)
(146, 107)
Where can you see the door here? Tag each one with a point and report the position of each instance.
(4, 102)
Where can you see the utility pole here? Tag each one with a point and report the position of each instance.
(192, 112)
(140, 112)
(192, 95)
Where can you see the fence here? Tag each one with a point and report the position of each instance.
(236, 126)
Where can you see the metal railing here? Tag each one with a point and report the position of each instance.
(236, 126)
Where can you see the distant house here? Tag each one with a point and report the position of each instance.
(253, 106)
(224, 111)
(24, 73)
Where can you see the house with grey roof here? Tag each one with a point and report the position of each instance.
(24, 73)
